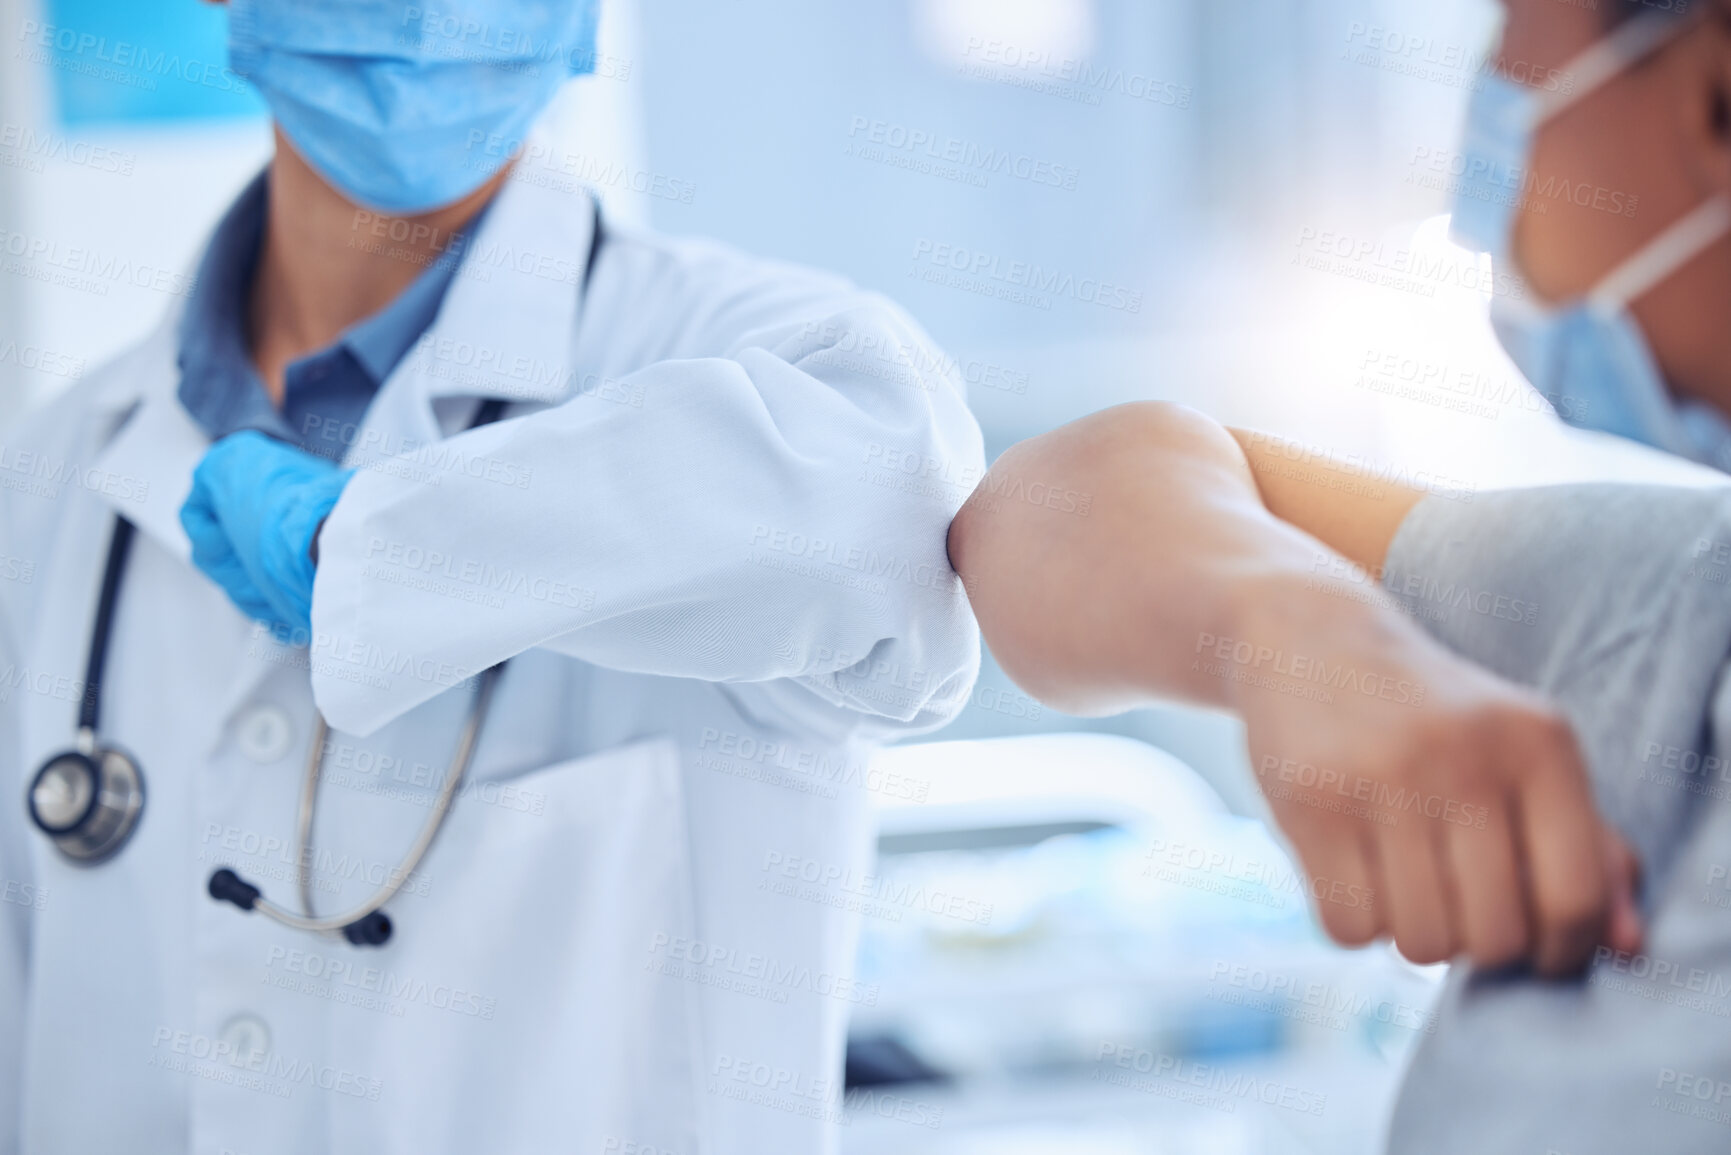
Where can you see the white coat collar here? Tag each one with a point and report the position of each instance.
(508, 322)
(158, 445)
(505, 329)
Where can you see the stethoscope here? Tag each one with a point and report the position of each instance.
(366, 924)
(88, 800)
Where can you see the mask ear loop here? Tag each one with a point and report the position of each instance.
(1632, 42)
(1662, 256)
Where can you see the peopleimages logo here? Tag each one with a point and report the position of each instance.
(268, 1072)
(119, 61)
(1020, 281)
(863, 560)
(1325, 1004)
(1307, 669)
(1454, 64)
(25, 147)
(926, 145)
(750, 972)
(43, 475)
(84, 269)
(1510, 186)
(459, 35)
(1357, 788)
(1227, 1087)
(878, 895)
(1069, 77)
(329, 973)
(1404, 268)
(1264, 882)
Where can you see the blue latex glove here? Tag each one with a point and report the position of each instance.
(256, 506)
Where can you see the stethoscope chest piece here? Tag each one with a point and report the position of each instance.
(89, 798)
(88, 803)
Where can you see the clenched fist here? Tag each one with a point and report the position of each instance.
(1459, 799)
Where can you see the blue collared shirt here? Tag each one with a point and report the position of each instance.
(327, 392)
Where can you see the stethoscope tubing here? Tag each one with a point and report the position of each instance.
(460, 760)
(225, 885)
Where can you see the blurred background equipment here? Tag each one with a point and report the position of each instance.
(1071, 945)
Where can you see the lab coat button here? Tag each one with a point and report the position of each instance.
(265, 734)
(246, 1037)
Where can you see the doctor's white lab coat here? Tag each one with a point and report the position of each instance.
(709, 536)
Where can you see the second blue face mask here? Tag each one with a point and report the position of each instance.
(1589, 356)
(405, 107)
(1501, 118)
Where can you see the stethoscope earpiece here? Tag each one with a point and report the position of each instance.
(371, 929)
(366, 924)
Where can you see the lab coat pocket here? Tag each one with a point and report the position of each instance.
(520, 1010)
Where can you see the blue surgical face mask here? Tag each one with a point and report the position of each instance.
(1593, 362)
(1589, 357)
(407, 107)
(1501, 121)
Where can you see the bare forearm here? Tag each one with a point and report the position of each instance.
(1348, 511)
(1130, 555)
(1103, 610)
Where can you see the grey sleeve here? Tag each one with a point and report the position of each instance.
(1624, 618)
(1612, 599)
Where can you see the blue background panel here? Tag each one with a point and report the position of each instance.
(133, 61)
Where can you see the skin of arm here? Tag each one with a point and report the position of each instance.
(1185, 562)
(1351, 514)
(1075, 631)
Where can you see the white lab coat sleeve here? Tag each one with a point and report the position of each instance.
(774, 515)
(18, 899)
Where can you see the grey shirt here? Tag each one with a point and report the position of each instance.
(1615, 601)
